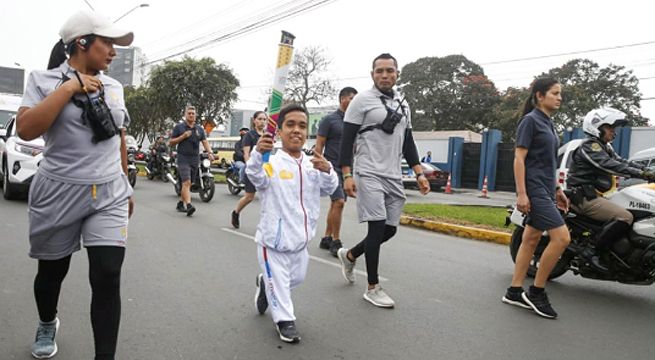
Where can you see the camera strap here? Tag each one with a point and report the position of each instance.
(390, 111)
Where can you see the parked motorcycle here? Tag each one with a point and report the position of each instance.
(160, 166)
(234, 185)
(631, 259)
(201, 182)
(131, 167)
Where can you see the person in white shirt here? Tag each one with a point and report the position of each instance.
(290, 187)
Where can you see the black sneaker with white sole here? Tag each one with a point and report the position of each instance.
(261, 303)
(287, 331)
(335, 246)
(540, 304)
(515, 298)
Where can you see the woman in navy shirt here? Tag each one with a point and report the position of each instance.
(535, 164)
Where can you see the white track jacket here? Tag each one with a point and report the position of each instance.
(290, 199)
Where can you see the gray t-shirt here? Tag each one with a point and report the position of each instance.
(535, 132)
(69, 154)
(331, 127)
(376, 152)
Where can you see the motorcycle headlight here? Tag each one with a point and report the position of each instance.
(27, 149)
(206, 163)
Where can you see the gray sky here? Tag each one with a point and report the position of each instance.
(353, 32)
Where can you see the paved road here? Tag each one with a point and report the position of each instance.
(188, 286)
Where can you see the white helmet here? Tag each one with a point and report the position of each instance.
(602, 116)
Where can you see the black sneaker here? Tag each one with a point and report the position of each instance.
(180, 206)
(335, 246)
(190, 209)
(287, 331)
(235, 219)
(260, 296)
(325, 242)
(515, 298)
(540, 304)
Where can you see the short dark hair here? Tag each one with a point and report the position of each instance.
(347, 91)
(290, 108)
(385, 56)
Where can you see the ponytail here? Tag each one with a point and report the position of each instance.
(57, 55)
(539, 86)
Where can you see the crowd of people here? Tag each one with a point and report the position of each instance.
(358, 154)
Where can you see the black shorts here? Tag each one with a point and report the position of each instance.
(249, 187)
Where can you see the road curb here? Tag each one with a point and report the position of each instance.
(458, 230)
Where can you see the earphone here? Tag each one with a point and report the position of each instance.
(82, 43)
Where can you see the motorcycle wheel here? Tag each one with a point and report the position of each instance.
(131, 176)
(234, 177)
(207, 193)
(560, 268)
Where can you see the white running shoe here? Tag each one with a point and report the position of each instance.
(347, 266)
(378, 297)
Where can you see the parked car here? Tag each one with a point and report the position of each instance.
(19, 160)
(436, 177)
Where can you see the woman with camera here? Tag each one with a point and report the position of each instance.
(80, 195)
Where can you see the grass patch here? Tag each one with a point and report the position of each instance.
(478, 216)
(220, 178)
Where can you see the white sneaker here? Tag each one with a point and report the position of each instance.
(347, 266)
(378, 297)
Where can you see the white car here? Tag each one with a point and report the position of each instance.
(19, 160)
(564, 159)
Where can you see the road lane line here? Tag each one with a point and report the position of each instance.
(312, 257)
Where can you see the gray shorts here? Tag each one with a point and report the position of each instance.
(187, 166)
(379, 198)
(338, 193)
(60, 214)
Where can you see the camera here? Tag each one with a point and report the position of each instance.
(393, 117)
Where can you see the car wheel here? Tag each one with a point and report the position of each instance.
(8, 190)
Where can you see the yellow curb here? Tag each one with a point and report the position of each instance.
(458, 230)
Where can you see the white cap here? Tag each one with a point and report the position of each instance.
(87, 23)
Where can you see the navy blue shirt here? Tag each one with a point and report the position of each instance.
(191, 145)
(535, 132)
(331, 127)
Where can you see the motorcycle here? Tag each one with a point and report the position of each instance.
(630, 260)
(234, 185)
(201, 182)
(131, 167)
(161, 165)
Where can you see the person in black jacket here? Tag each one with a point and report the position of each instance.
(592, 172)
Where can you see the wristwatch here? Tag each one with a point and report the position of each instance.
(419, 174)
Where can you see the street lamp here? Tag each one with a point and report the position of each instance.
(134, 8)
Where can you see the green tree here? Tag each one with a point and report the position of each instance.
(208, 86)
(508, 111)
(146, 118)
(586, 86)
(448, 93)
(308, 79)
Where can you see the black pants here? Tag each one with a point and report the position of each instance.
(105, 264)
(378, 233)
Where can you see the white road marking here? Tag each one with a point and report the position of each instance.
(312, 257)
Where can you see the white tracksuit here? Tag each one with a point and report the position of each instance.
(290, 205)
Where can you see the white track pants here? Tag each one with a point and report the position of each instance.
(283, 271)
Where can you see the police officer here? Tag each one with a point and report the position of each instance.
(592, 172)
